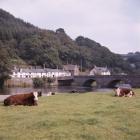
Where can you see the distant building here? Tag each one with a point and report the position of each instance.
(100, 71)
(73, 69)
(33, 73)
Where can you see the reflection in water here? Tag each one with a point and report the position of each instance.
(58, 89)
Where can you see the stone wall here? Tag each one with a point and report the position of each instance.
(19, 82)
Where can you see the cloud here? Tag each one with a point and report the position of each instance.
(113, 23)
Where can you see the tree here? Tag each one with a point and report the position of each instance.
(4, 66)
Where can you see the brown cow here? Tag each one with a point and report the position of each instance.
(29, 99)
(124, 92)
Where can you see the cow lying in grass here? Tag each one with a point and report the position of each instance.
(120, 92)
(29, 99)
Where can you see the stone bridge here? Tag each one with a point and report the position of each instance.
(107, 81)
(102, 81)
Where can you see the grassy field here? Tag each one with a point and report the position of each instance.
(89, 116)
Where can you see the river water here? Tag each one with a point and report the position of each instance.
(56, 89)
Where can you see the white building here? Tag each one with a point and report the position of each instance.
(33, 73)
(100, 71)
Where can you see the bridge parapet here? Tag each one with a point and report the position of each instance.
(65, 81)
(65, 78)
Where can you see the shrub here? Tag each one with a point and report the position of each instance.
(38, 82)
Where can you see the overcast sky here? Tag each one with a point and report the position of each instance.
(113, 23)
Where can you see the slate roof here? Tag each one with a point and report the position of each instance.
(37, 70)
(101, 69)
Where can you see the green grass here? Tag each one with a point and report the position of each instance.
(87, 116)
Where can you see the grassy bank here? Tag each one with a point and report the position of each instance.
(87, 116)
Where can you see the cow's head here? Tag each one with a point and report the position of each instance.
(35, 96)
(117, 91)
(131, 93)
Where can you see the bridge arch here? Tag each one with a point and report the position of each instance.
(113, 83)
(90, 83)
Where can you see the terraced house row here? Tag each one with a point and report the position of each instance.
(40, 73)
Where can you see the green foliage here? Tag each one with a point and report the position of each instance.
(4, 65)
(94, 53)
(39, 82)
(134, 60)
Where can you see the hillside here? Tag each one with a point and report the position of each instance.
(102, 56)
(134, 60)
(25, 44)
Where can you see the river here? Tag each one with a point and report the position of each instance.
(56, 89)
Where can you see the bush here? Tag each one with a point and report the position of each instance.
(38, 82)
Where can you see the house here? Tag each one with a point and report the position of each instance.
(73, 69)
(33, 73)
(100, 71)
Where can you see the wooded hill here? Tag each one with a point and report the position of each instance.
(134, 60)
(22, 43)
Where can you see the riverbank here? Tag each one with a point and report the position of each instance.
(55, 89)
(89, 116)
(52, 89)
